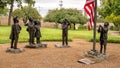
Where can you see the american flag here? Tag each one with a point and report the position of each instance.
(89, 9)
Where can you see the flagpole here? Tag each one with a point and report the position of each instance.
(95, 19)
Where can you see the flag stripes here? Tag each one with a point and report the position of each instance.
(89, 9)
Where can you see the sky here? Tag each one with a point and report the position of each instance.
(44, 5)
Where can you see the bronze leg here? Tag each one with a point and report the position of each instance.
(12, 41)
(105, 48)
(101, 47)
(62, 37)
(66, 39)
(15, 43)
(38, 40)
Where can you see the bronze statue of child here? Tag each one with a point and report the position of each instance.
(103, 30)
(37, 31)
(65, 25)
(31, 30)
(15, 30)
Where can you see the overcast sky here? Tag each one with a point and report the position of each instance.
(44, 5)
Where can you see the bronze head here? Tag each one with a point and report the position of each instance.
(106, 24)
(15, 19)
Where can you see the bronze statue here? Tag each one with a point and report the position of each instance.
(15, 30)
(103, 30)
(37, 31)
(31, 30)
(65, 25)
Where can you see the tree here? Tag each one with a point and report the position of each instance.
(27, 11)
(110, 18)
(11, 2)
(115, 20)
(3, 8)
(73, 15)
(3, 11)
(2, 4)
(30, 2)
(110, 10)
(108, 7)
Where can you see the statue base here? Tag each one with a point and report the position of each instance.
(12, 50)
(61, 46)
(91, 53)
(41, 45)
(95, 54)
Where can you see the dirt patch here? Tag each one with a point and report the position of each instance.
(52, 57)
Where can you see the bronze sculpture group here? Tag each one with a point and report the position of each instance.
(33, 28)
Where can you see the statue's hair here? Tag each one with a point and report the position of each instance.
(15, 19)
(106, 24)
(30, 18)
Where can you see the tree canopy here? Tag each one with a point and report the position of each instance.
(108, 7)
(27, 11)
(19, 3)
(30, 2)
(115, 20)
(110, 10)
(73, 15)
(3, 3)
(3, 11)
(3, 8)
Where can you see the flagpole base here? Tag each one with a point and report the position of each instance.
(95, 54)
(91, 53)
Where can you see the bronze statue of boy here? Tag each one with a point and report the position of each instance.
(37, 31)
(103, 30)
(65, 25)
(15, 30)
(30, 29)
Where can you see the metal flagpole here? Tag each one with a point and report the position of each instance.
(95, 19)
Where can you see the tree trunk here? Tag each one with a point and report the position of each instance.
(74, 26)
(10, 12)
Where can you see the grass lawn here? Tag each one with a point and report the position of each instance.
(51, 34)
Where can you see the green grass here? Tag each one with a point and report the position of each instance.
(48, 34)
(51, 34)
